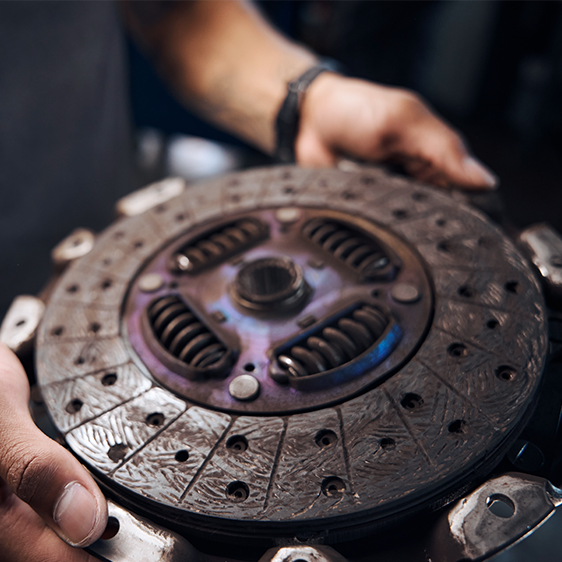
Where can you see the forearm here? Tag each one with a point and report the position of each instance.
(227, 62)
(223, 59)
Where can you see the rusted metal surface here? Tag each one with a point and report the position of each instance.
(381, 436)
(544, 247)
(493, 517)
(129, 537)
(20, 324)
(74, 246)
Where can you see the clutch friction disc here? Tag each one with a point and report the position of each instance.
(287, 352)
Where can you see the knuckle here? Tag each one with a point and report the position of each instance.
(27, 473)
(405, 108)
(409, 100)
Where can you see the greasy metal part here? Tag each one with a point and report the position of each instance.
(150, 196)
(77, 244)
(493, 517)
(151, 282)
(244, 387)
(405, 293)
(302, 554)
(131, 538)
(184, 342)
(544, 247)
(215, 281)
(288, 215)
(20, 323)
(135, 539)
(323, 465)
(271, 285)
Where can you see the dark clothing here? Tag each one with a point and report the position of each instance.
(65, 132)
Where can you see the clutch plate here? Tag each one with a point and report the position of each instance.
(286, 353)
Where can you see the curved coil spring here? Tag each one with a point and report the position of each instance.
(181, 333)
(337, 344)
(219, 244)
(351, 247)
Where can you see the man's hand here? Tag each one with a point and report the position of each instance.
(224, 60)
(44, 491)
(346, 117)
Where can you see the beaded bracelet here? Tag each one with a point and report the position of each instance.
(288, 118)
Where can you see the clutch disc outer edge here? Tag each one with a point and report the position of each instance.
(426, 409)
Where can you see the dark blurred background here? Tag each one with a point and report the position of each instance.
(492, 68)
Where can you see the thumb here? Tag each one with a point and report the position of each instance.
(39, 471)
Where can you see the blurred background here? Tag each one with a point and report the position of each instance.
(492, 68)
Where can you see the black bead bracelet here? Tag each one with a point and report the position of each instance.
(288, 118)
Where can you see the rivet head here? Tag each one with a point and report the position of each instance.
(405, 293)
(218, 316)
(316, 263)
(306, 321)
(288, 215)
(150, 282)
(183, 263)
(244, 387)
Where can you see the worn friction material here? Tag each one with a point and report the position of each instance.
(405, 431)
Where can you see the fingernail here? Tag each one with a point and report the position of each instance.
(479, 173)
(76, 513)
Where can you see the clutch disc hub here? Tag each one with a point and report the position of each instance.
(290, 353)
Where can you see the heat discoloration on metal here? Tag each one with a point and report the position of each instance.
(262, 332)
(402, 441)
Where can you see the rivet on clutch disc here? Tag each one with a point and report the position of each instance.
(405, 293)
(244, 387)
(150, 282)
(288, 215)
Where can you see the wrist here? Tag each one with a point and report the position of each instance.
(287, 122)
(314, 145)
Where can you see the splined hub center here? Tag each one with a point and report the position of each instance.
(271, 285)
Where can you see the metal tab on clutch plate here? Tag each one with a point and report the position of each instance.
(293, 357)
